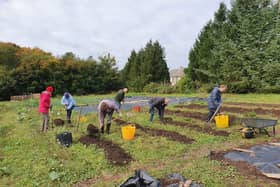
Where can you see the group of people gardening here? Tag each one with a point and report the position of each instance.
(107, 107)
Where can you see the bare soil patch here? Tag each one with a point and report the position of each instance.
(166, 182)
(239, 110)
(114, 153)
(196, 115)
(160, 132)
(205, 130)
(58, 122)
(254, 104)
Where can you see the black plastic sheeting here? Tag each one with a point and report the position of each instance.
(142, 101)
(143, 179)
(265, 159)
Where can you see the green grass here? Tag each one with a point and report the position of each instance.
(30, 158)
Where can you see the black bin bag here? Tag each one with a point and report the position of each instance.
(64, 138)
(141, 179)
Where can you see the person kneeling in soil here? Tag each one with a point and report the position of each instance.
(69, 104)
(215, 100)
(120, 96)
(106, 107)
(45, 106)
(160, 103)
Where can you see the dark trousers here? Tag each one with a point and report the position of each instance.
(69, 114)
(160, 113)
(210, 114)
(102, 115)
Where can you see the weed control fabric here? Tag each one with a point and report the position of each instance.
(265, 158)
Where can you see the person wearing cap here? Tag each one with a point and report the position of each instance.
(119, 98)
(69, 104)
(106, 107)
(159, 103)
(45, 106)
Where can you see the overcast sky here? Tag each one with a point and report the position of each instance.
(96, 27)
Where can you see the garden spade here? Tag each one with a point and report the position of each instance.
(217, 110)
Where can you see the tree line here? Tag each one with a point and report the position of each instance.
(29, 70)
(148, 65)
(239, 47)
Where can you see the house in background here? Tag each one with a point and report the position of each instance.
(176, 75)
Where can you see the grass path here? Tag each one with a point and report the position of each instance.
(30, 158)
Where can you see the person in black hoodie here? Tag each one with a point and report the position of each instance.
(119, 98)
(160, 103)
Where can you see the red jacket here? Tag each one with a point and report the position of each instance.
(45, 102)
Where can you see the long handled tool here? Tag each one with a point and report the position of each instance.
(217, 110)
(80, 112)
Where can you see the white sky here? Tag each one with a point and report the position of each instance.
(95, 27)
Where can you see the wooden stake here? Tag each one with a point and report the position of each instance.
(78, 123)
(275, 144)
(272, 175)
(243, 150)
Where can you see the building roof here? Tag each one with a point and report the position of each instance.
(177, 72)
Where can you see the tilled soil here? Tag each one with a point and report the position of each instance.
(114, 153)
(166, 182)
(196, 115)
(205, 130)
(254, 104)
(92, 130)
(160, 132)
(239, 110)
(249, 171)
(58, 122)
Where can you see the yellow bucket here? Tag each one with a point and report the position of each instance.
(222, 121)
(83, 119)
(128, 132)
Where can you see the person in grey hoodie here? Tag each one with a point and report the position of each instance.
(107, 107)
(159, 103)
(215, 100)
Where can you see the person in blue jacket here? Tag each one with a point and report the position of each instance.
(159, 103)
(69, 104)
(215, 100)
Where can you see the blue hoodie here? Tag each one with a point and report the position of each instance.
(68, 100)
(214, 99)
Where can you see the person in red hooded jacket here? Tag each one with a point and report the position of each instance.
(44, 107)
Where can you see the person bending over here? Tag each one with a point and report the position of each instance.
(159, 103)
(106, 107)
(69, 104)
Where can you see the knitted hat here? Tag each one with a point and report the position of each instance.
(49, 89)
(66, 95)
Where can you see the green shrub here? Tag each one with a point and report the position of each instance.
(159, 88)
